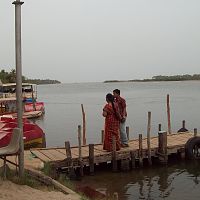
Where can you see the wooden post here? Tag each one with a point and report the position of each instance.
(114, 156)
(159, 127)
(69, 158)
(168, 115)
(91, 158)
(148, 138)
(140, 151)
(84, 125)
(33, 99)
(127, 132)
(162, 146)
(102, 136)
(132, 159)
(115, 196)
(183, 124)
(80, 150)
(182, 153)
(195, 132)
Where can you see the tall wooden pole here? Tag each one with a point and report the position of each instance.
(84, 125)
(33, 99)
(168, 115)
(18, 4)
(149, 138)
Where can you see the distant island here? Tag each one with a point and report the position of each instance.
(185, 77)
(10, 77)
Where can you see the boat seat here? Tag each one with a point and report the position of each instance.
(11, 149)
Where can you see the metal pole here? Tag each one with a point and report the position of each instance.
(18, 58)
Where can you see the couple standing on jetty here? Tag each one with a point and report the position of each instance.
(115, 117)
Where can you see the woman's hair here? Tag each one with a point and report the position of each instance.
(110, 98)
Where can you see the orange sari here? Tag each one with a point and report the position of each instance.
(112, 125)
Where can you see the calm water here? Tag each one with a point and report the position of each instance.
(175, 182)
(63, 107)
(63, 115)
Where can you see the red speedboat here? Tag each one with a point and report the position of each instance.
(34, 137)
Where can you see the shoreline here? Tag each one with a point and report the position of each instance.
(144, 81)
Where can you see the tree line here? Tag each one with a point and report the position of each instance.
(185, 77)
(10, 77)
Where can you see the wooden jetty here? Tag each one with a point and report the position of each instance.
(160, 146)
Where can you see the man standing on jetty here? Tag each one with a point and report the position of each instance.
(122, 109)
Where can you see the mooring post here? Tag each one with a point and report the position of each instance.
(183, 124)
(84, 125)
(168, 115)
(140, 151)
(159, 127)
(127, 132)
(114, 154)
(162, 146)
(69, 158)
(102, 136)
(80, 150)
(109, 196)
(115, 196)
(132, 159)
(91, 158)
(195, 132)
(149, 138)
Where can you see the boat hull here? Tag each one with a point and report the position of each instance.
(34, 137)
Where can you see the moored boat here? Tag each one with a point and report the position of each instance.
(31, 107)
(33, 134)
(8, 90)
(30, 110)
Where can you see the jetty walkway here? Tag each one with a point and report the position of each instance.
(160, 146)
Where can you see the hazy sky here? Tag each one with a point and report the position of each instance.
(97, 40)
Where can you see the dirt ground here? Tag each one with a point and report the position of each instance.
(11, 191)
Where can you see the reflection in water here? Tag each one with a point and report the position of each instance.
(165, 182)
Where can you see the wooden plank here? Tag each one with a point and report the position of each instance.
(40, 155)
(75, 151)
(98, 152)
(56, 154)
(48, 154)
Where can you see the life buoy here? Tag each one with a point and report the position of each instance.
(192, 148)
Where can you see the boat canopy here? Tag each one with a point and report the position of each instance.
(9, 89)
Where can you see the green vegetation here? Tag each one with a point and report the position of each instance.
(10, 77)
(185, 77)
(26, 180)
(63, 179)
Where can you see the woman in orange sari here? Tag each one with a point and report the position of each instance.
(112, 123)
